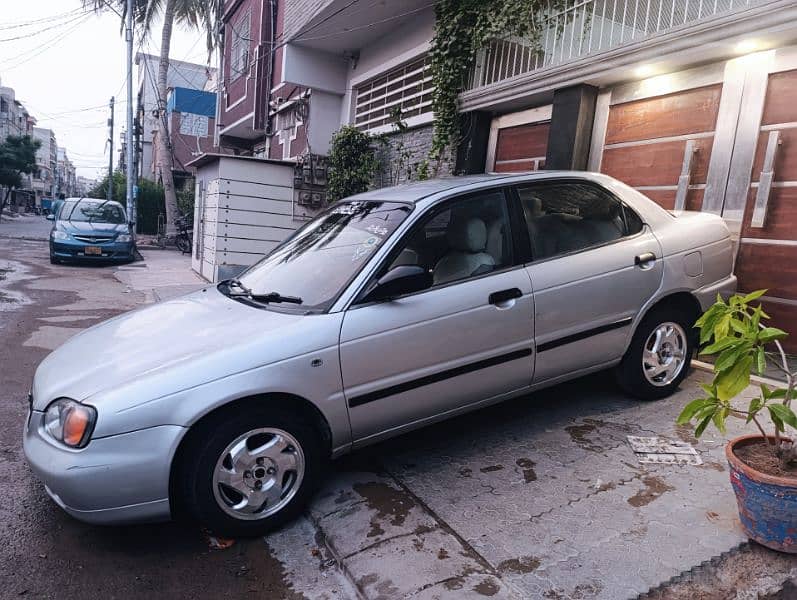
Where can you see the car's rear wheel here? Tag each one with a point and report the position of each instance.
(659, 355)
(250, 472)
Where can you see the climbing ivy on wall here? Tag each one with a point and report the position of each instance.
(462, 28)
(352, 163)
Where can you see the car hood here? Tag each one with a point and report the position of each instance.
(195, 339)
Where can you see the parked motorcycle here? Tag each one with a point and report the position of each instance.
(185, 234)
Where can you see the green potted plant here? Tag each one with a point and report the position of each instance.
(763, 466)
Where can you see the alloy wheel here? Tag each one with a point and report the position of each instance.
(258, 473)
(664, 354)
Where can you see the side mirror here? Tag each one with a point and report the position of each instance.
(401, 280)
(50, 217)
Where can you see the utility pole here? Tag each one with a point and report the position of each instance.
(131, 204)
(109, 192)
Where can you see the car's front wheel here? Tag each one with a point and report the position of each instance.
(658, 358)
(250, 472)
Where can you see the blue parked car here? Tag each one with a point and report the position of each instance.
(91, 230)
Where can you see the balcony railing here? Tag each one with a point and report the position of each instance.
(590, 26)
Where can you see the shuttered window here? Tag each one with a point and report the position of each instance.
(407, 89)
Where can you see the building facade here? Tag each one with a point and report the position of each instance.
(16, 120)
(688, 102)
(65, 176)
(45, 183)
(191, 119)
(180, 74)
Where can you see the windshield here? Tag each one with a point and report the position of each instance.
(321, 258)
(96, 211)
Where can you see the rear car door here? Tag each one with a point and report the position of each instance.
(594, 266)
(466, 339)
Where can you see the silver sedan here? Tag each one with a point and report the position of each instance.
(392, 310)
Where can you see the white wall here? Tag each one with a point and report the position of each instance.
(314, 69)
(324, 120)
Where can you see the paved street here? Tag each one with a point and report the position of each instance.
(540, 497)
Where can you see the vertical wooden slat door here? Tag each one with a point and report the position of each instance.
(646, 143)
(768, 255)
(521, 148)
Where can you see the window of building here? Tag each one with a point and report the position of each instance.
(407, 89)
(571, 216)
(239, 51)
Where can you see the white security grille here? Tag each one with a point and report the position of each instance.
(407, 88)
(589, 26)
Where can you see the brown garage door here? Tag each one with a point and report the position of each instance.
(768, 254)
(521, 148)
(647, 141)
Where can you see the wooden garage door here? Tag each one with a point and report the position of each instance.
(768, 254)
(649, 141)
(521, 148)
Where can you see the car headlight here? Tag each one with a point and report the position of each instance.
(60, 235)
(70, 422)
(123, 237)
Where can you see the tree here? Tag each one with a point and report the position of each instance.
(195, 14)
(17, 157)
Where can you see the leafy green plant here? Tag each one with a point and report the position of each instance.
(736, 334)
(352, 163)
(463, 28)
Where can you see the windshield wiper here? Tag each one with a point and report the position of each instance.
(275, 297)
(245, 292)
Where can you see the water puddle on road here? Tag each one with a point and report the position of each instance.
(11, 273)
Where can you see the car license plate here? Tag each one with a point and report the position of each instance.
(96, 250)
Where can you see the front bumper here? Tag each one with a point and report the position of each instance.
(114, 480)
(74, 250)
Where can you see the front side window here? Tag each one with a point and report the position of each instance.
(464, 239)
(571, 216)
(317, 263)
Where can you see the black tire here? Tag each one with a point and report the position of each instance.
(183, 244)
(200, 456)
(54, 260)
(630, 372)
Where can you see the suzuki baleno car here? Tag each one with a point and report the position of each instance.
(391, 310)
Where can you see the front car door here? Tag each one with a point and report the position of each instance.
(594, 266)
(466, 339)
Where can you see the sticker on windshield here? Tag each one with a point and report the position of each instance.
(365, 248)
(377, 230)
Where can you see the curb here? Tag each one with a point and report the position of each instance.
(758, 379)
(685, 577)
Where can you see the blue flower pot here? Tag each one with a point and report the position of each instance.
(767, 504)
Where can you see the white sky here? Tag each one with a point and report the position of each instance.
(76, 65)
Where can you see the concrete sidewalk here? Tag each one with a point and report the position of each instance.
(163, 274)
(541, 497)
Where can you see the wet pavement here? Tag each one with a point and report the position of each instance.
(540, 497)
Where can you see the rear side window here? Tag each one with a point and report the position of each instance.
(572, 216)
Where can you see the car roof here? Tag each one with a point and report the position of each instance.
(414, 192)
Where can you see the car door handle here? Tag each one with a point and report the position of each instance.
(504, 296)
(643, 259)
